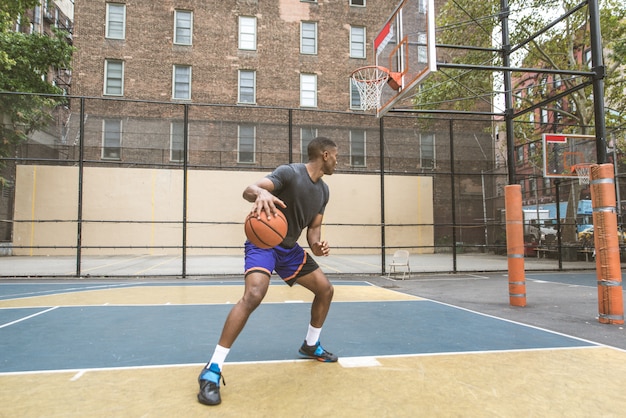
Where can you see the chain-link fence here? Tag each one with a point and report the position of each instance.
(115, 178)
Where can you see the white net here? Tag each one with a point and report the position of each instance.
(370, 82)
(583, 172)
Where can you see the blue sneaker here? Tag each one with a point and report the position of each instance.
(209, 381)
(317, 352)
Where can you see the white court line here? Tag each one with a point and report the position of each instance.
(137, 273)
(122, 261)
(27, 317)
(54, 292)
(78, 373)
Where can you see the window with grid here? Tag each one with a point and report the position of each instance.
(177, 141)
(547, 186)
(247, 33)
(427, 150)
(115, 21)
(308, 38)
(355, 97)
(111, 139)
(422, 49)
(306, 135)
(357, 147)
(181, 82)
(114, 78)
(183, 27)
(246, 144)
(422, 6)
(247, 86)
(357, 42)
(544, 116)
(308, 90)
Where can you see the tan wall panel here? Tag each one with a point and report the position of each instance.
(45, 193)
(152, 200)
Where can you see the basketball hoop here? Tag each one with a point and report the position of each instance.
(370, 81)
(583, 171)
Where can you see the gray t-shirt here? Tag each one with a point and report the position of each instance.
(304, 198)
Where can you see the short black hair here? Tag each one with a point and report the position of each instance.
(318, 145)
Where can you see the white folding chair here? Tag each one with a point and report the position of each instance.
(400, 260)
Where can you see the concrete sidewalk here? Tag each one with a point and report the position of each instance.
(207, 266)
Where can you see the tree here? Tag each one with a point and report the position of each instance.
(476, 24)
(25, 60)
(563, 47)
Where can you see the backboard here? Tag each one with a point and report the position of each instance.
(563, 152)
(406, 47)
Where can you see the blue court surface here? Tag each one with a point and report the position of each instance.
(74, 328)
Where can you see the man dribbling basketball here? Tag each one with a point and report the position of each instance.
(299, 192)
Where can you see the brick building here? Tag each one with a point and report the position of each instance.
(248, 83)
(286, 53)
(258, 79)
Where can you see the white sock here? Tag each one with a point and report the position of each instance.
(219, 356)
(313, 335)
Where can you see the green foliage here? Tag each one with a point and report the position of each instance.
(462, 22)
(476, 24)
(25, 60)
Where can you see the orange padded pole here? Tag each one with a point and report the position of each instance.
(515, 244)
(608, 268)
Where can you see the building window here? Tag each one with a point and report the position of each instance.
(246, 144)
(357, 3)
(181, 82)
(427, 150)
(247, 33)
(558, 113)
(177, 141)
(422, 7)
(355, 96)
(308, 90)
(116, 21)
(544, 116)
(37, 15)
(587, 58)
(357, 42)
(306, 135)
(114, 78)
(547, 187)
(111, 139)
(357, 147)
(247, 86)
(308, 38)
(422, 49)
(520, 154)
(183, 27)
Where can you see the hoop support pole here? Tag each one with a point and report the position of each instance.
(608, 267)
(515, 244)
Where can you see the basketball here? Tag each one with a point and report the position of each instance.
(266, 233)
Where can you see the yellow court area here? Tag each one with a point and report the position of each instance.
(453, 363)
(192, 295)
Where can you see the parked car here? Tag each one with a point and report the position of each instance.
(585, 237)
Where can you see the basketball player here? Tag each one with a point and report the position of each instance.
(300, 193)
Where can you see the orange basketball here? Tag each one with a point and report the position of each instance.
(266, 233)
